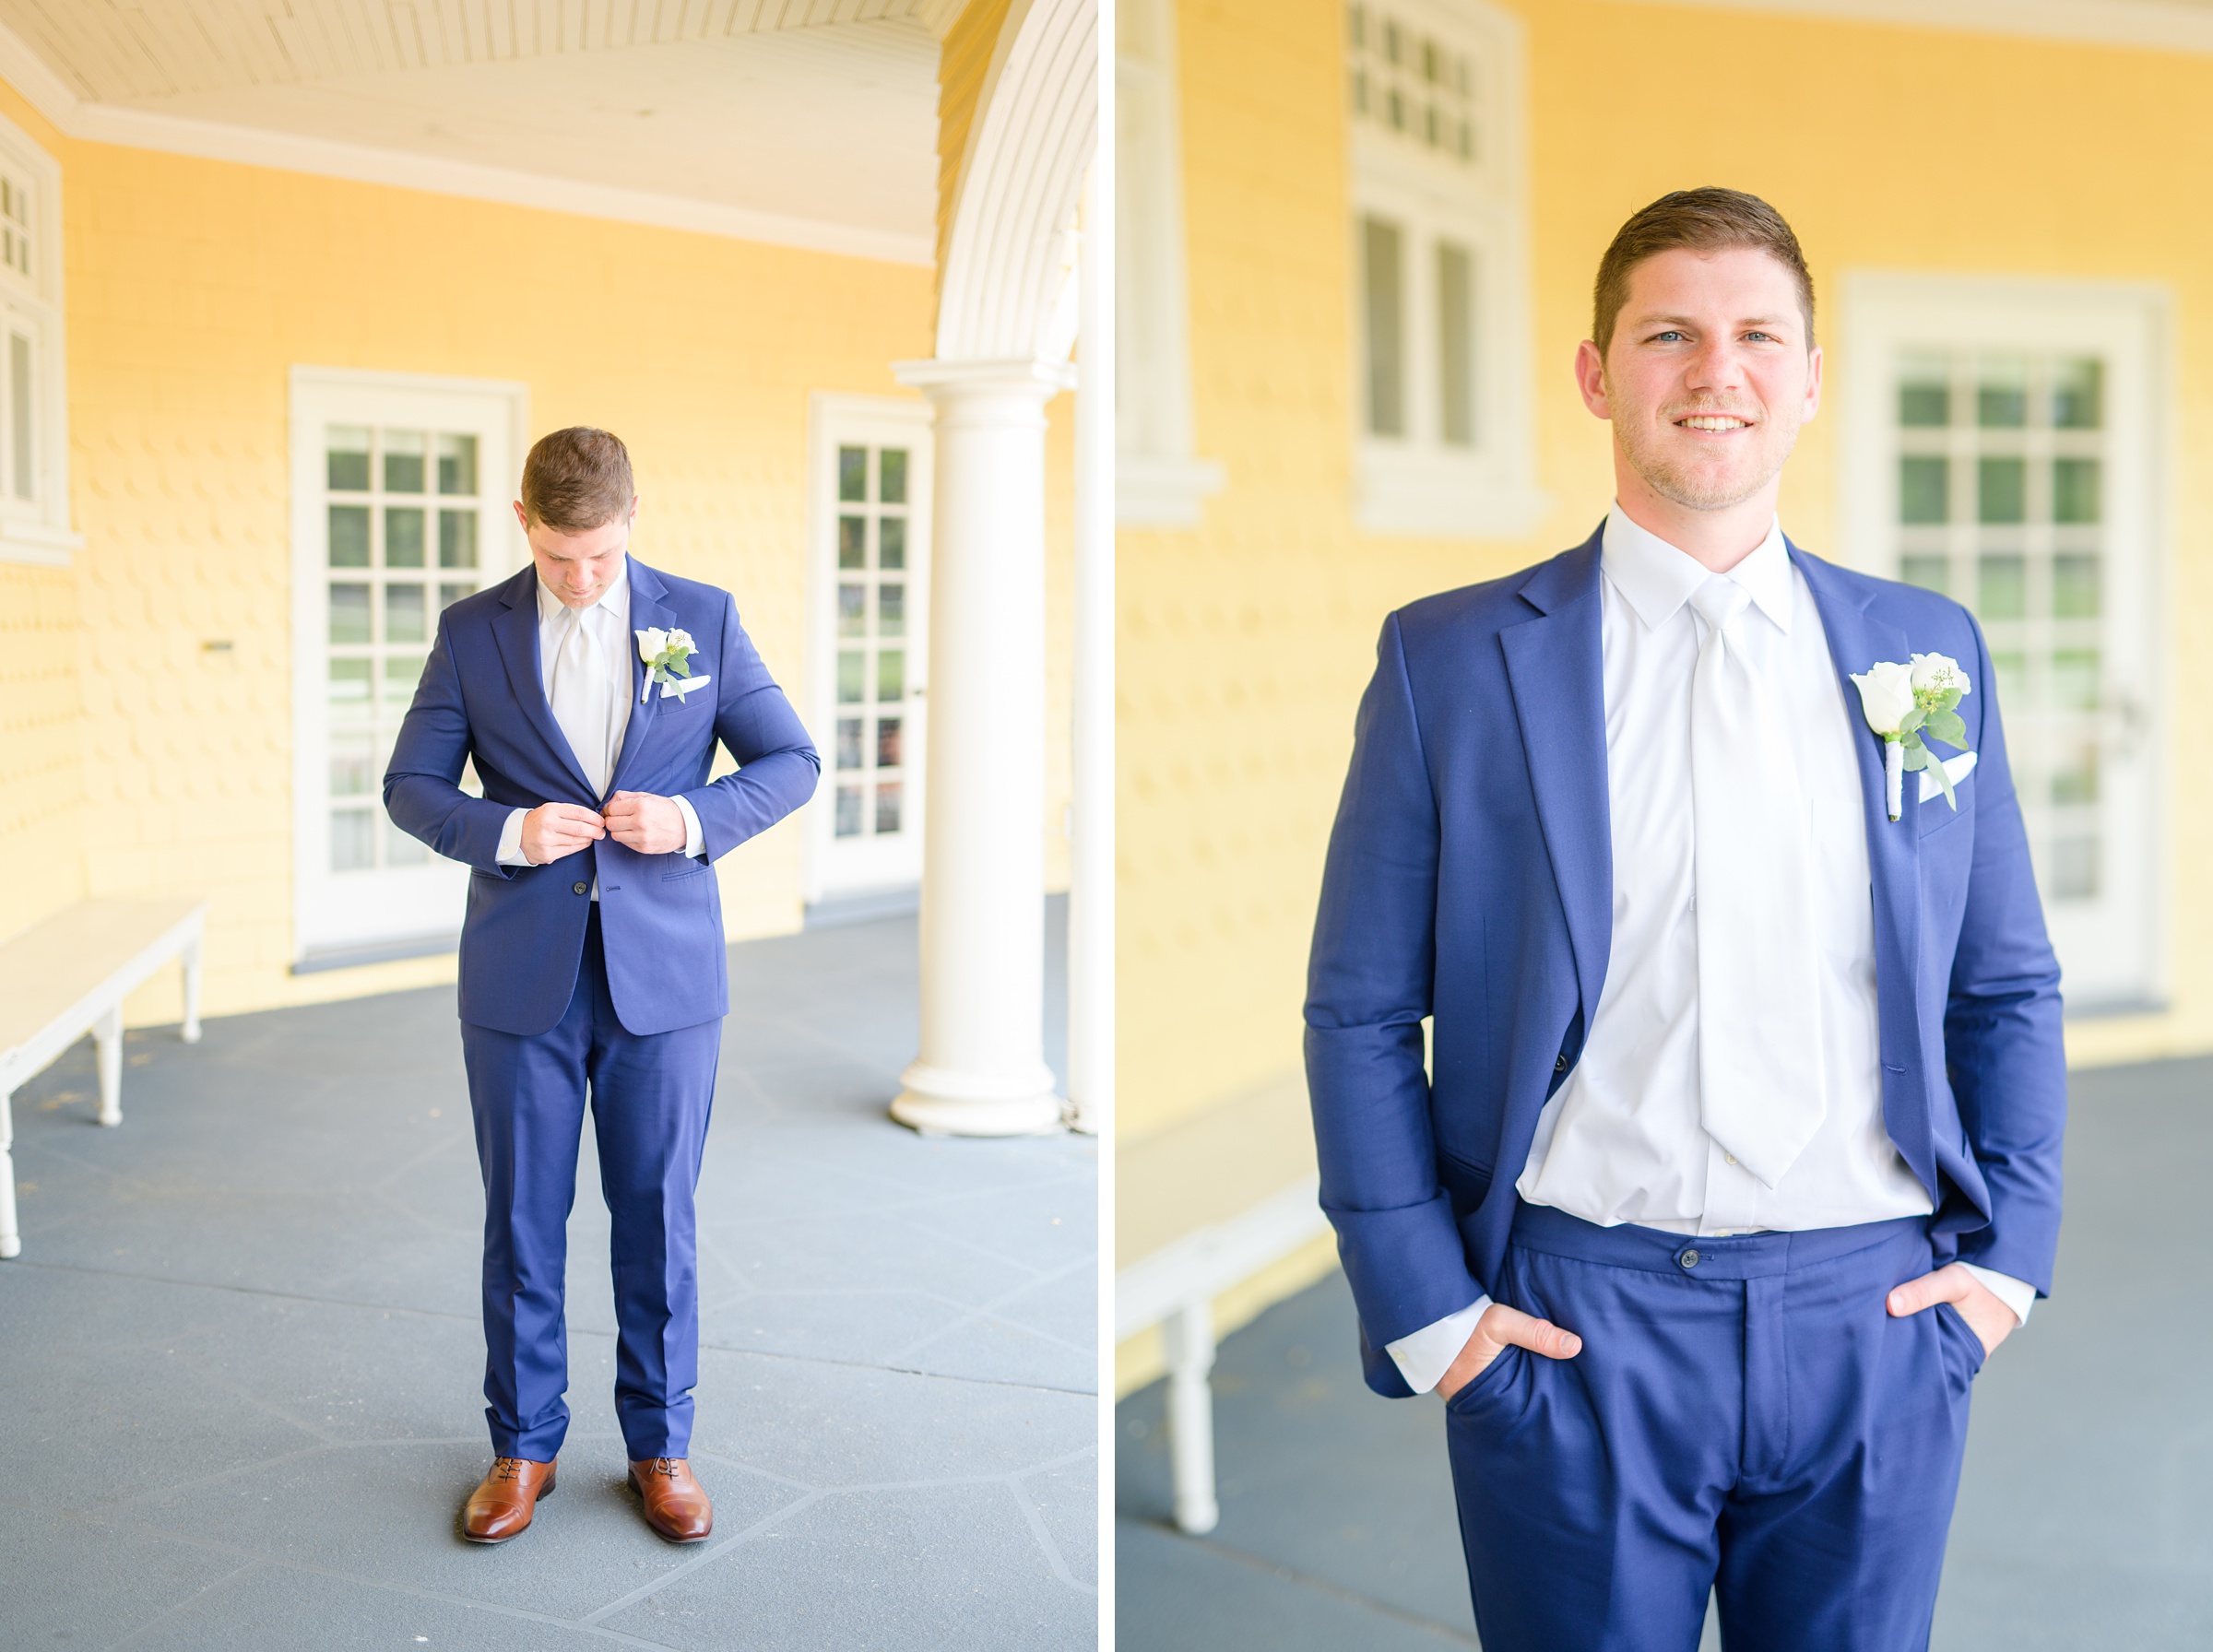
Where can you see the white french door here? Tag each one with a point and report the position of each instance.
(869, 523)
(2007, 439)
(399, 510)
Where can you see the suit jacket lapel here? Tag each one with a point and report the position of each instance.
(1856, 640)
(1554, 664)
(648, 609)
(516, 634)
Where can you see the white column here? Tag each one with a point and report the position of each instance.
(1189, 1337)
(1091, 847)
(981, 1070)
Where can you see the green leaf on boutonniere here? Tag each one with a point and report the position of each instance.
(1917, 756)
(1945, 780)
(1946, 726)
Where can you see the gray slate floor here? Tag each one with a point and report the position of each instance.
(2085, 1517)
(240, 1356)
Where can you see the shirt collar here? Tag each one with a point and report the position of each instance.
(1656, 579)
(614, 601)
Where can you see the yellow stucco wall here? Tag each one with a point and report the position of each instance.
(135, 763)
(1246, 641)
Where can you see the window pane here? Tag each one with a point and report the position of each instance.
(352, 764)
(891, 543)
(403, 537)
(347, 462)
(1924, 392)
(350, 536)
(852, 473)
(852, 610)
(2078, 394)
(2075, 869)
(449, 595)
(2001, 394)
(890, 476)
(404, 614)
(457, 463)
(403, 461)
(24, 476)
(1456, 343)
(349, 692)
(848, 743)
(1931, 573)
(2074, 588)
(887, 806)
(2010, 665)
(890, 610)
(1924, 486)
(1383, 287)
(2001, 491)
(849, 810)
(352, 840)
(2075, 678)
(2077, 783)
(891, 676)
(2002, 591)
(888, 742)
(457, 539)
(348, 613)
(852, 541)
(404, 848)
(852, 676)
(2074, 490)
(402, 672)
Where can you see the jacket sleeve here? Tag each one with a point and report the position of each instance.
(422, 792)
(777, 765)
(2002, 1038)
(1368, 989)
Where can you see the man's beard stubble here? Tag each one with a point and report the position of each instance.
(1680, 485)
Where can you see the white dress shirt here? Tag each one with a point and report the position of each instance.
(1621, 1140)
(596, 748)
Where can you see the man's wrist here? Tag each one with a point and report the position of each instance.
(1423, 1357)
(695, 841)
(511, 840)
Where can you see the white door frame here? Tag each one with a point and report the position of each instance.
(2128, 326)
(876, 420)
(321, 396)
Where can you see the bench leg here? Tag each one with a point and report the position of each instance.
(191, 960)
(11, 1242)
(107, 1033)
(1189, 1335)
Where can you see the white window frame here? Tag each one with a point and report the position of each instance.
(37, 530)
(1418, 483)
(835, 870)
(420, 909)
(1886, 314)
(1159, 480)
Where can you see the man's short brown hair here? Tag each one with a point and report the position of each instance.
(577, 479)
(1705, 220)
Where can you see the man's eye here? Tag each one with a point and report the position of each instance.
(1670, 337)
(1761, 338)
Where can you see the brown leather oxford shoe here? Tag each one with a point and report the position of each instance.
(503, 1501)
(676, 1505)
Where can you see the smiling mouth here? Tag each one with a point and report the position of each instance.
(1716, 423)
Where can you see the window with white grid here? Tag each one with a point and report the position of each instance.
(34, 479)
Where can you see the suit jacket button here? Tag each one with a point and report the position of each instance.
(580, 888)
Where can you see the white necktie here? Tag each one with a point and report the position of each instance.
(1759, 1023)
(583, 699)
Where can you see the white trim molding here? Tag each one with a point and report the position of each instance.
(22, 69)
(2153, 25)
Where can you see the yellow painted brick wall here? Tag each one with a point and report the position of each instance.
(1246, 641)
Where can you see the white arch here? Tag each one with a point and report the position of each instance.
(1033, 138)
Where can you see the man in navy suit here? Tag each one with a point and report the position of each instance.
(1737, 1150)
(592, 953)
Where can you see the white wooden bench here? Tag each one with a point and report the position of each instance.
(69, 975)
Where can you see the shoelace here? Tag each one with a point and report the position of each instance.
(507, 1467)
(666, 1466)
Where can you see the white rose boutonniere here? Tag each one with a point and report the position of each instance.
(667, 656)
(1900, 703)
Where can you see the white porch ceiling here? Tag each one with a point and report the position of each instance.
(810, 121)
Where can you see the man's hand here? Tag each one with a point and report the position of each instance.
(640, 821)
(555, 831)
(1495, 1328)
(1988, 1318)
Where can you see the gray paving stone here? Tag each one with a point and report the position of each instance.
(143, 1576)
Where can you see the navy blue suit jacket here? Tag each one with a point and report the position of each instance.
(482, 695)
(1470, 877)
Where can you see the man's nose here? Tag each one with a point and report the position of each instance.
(1716, 366)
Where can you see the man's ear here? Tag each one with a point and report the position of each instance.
(1591, 379)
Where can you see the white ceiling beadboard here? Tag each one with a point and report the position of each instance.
(808, 121)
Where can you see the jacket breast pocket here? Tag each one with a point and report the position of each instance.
(1936, 815)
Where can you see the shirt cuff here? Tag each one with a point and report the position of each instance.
(1423, 1357)
(695, 841)
(2017, 1294)
(511, 840)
